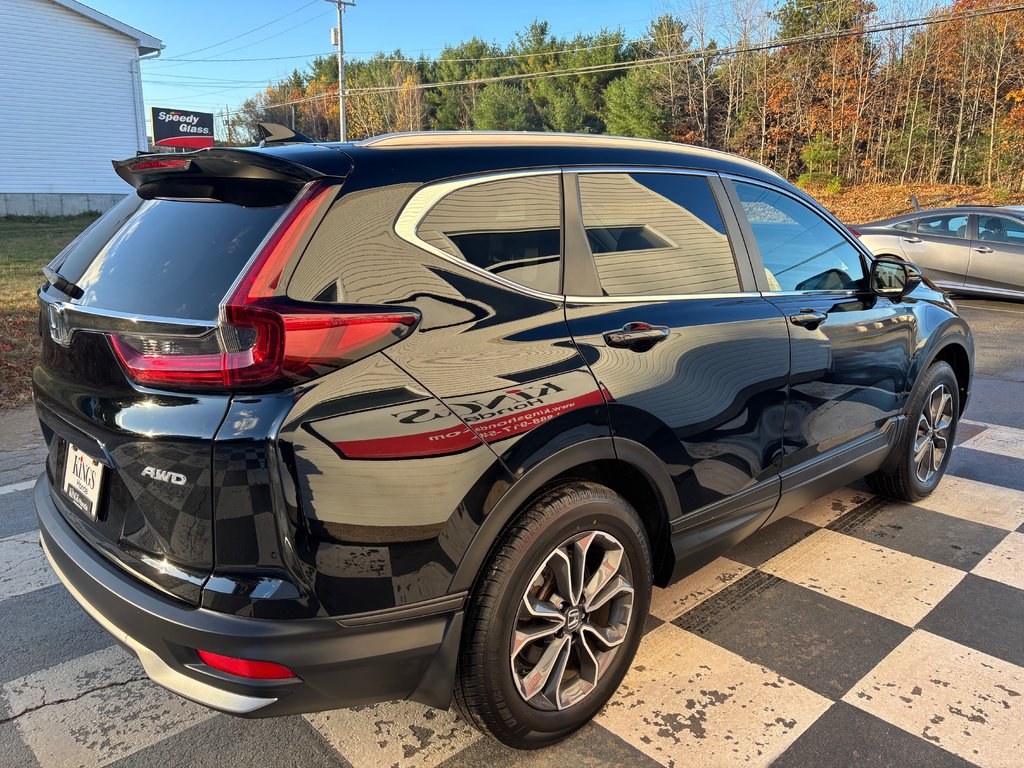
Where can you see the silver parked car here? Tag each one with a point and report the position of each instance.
(968, 249)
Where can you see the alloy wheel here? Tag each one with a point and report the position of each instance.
(572, 619)
(933, 432)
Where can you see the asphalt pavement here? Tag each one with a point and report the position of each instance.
(858, 631)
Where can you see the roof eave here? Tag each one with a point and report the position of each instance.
(147, 44)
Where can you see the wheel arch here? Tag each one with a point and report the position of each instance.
(628, 468)
(952, 345)
(956, 355)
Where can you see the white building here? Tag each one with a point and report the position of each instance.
(70, 102)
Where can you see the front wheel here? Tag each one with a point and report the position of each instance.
(927, 441)
(556, 618)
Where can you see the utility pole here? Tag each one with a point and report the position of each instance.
(338, 38)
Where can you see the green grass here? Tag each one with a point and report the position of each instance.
(27, 244)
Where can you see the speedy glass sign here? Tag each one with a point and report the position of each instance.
(181, 128)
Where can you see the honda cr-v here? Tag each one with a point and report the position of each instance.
(427, 416)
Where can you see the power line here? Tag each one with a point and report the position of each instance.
(501, 57)
(373, 54)
(280, 32)
(671, 58)
(230, 61)
(172, 62)
(243, 34)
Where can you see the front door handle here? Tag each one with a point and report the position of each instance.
(911, 239)
(984, 249)
(808, 318)
(636, 336)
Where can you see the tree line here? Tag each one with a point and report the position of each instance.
(824, 90)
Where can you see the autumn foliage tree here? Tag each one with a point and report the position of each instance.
(808, 87)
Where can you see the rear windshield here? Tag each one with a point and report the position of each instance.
(165, 258)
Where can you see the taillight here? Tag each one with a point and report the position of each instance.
(854, 232)
(181, 164)
(254, 670)
(263, 339)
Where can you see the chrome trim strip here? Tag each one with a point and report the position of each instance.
(419, 205)
(673, 169)
(425, 198)
(77, 318)
(160, 671)
(659, 297)
(769, 294)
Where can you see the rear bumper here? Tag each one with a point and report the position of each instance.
(398, 654)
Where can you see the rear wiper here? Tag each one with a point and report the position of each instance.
(62, 284)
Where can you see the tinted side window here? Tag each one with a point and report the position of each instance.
(950, 225)
(905, 226)
(800, 249)
(510, 227)
(999, 229)
(656, 233)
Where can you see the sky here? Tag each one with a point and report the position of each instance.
(299, 29)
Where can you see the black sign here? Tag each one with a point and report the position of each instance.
(180, 128)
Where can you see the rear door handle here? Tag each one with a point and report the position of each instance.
(808, 318)
(911, 239)
(636, 336)
(984, 249)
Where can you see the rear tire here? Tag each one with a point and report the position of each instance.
(565, 592)
(927, 442)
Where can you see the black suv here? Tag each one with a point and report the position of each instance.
(427, 416)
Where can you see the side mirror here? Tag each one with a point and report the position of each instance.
(893, 278)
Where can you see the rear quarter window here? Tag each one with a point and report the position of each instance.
(509, 227)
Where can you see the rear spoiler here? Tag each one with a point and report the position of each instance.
(241, 176)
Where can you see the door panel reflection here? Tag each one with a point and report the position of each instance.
(849, 374)
(716, 387)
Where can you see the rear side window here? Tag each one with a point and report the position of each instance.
(905, 226)
(800, 249)
(656, 233)
(999, 229)
(510, 228)
(950, 225)
(165, 258)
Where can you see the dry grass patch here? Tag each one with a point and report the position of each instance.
(870, 202)
(27, 244)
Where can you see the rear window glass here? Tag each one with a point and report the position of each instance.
(165, 258)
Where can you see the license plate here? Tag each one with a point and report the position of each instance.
(82, 481)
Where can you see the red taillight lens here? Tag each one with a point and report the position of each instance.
(254, 670)
(153, 165)
(854, 232)
(263, 339)
(162, 368)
